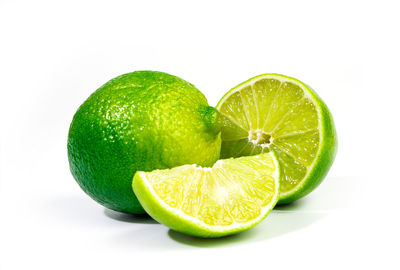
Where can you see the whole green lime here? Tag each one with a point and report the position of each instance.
(143, 120)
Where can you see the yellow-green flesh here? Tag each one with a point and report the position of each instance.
(272, 113)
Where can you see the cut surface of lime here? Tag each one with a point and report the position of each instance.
(232, 196)
(280, 113)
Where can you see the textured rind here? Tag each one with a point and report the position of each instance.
(151, 203)
(143, 120)
(328, 145)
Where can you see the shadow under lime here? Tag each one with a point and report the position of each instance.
(283, 219)
(130, 218)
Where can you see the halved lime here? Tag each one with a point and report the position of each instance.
(276, 112)
(232, 196)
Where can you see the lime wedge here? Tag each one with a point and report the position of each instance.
(232, 196)
(276, 112)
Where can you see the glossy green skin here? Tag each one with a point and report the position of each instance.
(143, 120)
(327, 150)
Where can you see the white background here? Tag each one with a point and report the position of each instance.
(54, 54)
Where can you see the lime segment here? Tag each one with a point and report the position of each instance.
(232, 196)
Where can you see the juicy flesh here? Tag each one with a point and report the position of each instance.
(232, 191)
(271, 114)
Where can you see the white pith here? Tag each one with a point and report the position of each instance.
(256, 141)
(307, 94)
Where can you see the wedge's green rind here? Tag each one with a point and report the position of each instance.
(139, 121)
(151, 203)
(327, 148)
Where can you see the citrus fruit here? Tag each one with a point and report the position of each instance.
(231, 196)
(276, 112)
(143, 120)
